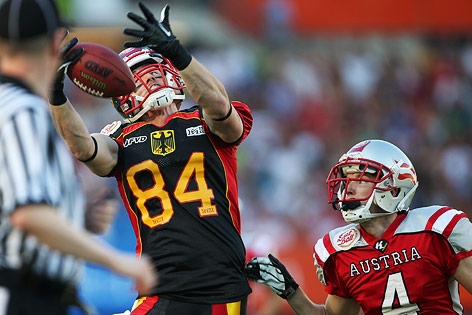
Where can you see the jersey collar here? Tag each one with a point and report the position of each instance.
(8, 79)
(389, 232)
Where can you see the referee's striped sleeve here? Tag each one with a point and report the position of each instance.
(35, 167)
(24, 145)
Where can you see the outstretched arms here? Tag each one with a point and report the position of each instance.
(204, 88)
(100, 152)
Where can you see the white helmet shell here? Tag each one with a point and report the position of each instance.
(394, 173)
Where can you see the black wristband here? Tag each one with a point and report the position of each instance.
(95, 151)
(57, 98)
(227, 115)
(177, 53)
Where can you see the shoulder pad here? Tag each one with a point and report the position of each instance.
(452, 224)
(432, 218)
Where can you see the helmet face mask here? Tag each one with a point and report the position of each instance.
(390, 172)
(149, 94)
(339, 182)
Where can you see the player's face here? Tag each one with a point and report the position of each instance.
(148, 81)
(359, 189)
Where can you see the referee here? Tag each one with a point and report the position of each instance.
(42, 242)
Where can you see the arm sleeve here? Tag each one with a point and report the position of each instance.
(115, 131)
(326, 272)
(461, 241)
(246, 117)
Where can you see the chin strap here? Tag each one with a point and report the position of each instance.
(159, 99)
(349, 205)
(401, 205)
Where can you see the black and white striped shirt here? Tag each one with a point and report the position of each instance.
(35, 168)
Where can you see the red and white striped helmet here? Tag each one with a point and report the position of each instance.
(143, 61)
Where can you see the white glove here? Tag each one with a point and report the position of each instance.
(271, 272)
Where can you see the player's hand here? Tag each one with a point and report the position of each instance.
(57, 96)
(141, 270)
(100, 211)
(271, 272)
(158, 36)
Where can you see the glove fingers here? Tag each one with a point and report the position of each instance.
(277, 264)
(274, 260)
(135, 44)
(165, 16)
(70, 59)
(133, 32)
(66, 33)
(68, 46)
(148, 14)
(139, 20)
(263, 261)
(74, 55)
(252, 271)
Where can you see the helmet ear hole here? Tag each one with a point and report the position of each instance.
(395, 192)
(123, 104)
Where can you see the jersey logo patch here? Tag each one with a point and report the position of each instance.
(381, 245)
(110, 128)
(345, 239)
(195, 131)
(162, 142)
(134, 140)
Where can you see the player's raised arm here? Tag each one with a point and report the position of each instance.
(98, 152)
(205, 88)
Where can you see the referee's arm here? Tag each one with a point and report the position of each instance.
(44, 222)
(100, 156)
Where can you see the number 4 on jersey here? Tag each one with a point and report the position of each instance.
(396, 289)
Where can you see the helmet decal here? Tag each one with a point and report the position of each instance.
(411, 174)
(359, 147)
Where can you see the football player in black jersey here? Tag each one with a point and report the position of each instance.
(176, 172)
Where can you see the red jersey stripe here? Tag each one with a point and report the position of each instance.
(219, 309)
(327, 243)
(144, 305)
(448, 230)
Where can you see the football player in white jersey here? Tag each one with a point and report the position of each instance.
(389, 256)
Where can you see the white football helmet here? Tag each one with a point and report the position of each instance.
(392, 170)
(132, 106)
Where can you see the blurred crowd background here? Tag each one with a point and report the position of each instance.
(318, 77)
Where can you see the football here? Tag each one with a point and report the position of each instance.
(101, 72)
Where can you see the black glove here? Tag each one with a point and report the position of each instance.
(271, 272)
(158, 36)
(57, 96)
